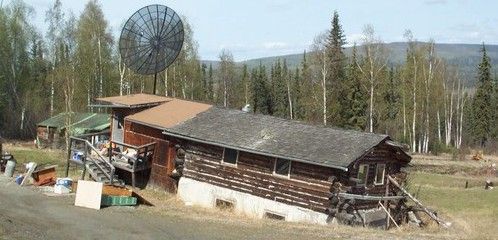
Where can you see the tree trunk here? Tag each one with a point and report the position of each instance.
(414, 120)
(101, 80)
(438, 126)
(404, 113)
(289, 97)
(122, 71)
(324, 88)
(52, 93)
(166, 82)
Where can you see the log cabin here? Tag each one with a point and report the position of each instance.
(262, 165)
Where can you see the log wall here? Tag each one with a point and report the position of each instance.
(381, 154)
(307, 186)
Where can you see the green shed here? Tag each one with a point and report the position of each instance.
(50, 132)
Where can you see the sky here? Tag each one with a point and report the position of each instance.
(257, 28)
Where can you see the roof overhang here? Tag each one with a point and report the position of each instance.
(115, 105)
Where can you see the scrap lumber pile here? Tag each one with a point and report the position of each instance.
(94, 195)
(429, 212)
(346, 208)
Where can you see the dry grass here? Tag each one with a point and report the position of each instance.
(473, 211)
(25, 152)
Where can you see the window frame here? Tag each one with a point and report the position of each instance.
(377, 172)
(119, 121)
(365, 179)
(229, 204)
(274, 216)
(275, 168)
(229, 163)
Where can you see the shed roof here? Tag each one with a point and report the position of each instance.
(81, 122)
(134, 100)
(278, 137)
(169, 114)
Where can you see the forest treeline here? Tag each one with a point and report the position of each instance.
(421, 102)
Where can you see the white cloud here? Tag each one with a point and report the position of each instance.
(274, 45)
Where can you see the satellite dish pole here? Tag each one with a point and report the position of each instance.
(151, 40)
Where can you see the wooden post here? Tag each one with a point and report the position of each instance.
(85, 150)
(109, 151)
(387, 205)
(431, 214)
(69, 156)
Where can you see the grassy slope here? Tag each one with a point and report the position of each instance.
(25, 154)
(473, 211)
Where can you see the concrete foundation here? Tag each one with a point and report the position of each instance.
(193, 192)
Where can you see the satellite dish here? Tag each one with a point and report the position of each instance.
(151, 40)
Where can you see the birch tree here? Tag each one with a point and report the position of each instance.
(374, 63)
(226, 74)
(321, 60)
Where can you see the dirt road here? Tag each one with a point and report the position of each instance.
(26, 213)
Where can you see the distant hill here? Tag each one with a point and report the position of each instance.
(465, 56)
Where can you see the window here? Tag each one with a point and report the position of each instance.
(362, 174)
(379, 174)
(224, 204)
(120, 120)
(274, 216)
(230, 156)
(282, 167)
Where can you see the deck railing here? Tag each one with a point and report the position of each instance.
(80, 145)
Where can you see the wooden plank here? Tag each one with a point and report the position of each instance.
(426, 210)
(88, 194)
(111, 190)
(388, 214)
(369, 198)
(28, 174)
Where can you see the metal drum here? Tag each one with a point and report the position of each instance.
(10, 166)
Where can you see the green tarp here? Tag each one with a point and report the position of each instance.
(81, 122)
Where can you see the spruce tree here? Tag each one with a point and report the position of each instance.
(261, 98)
(307, 103)
(336, 76)
(494, 108)
(279, 91)
(297, 98)
(392, 100)
(204, 81)
(392, 96)
(210, 90)
(482, 102)
(354, 108)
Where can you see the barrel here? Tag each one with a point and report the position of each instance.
(10, 166)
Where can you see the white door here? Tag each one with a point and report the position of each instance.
(117, 127)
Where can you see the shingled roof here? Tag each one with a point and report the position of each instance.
(277, 137)
(169, 114)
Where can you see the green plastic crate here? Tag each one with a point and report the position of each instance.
(118, 201)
